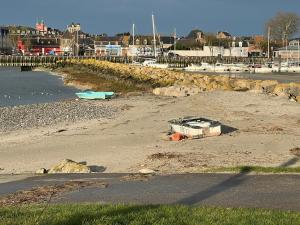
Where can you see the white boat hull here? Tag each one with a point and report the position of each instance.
(196, 128)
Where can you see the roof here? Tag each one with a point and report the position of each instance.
(295, 39)
(167, 39)
(109, 39)
(47, 42)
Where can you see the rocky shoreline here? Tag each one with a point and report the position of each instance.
(158, 78)
(48, 114)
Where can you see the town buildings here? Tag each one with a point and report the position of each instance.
(289, 52)
(44, 40)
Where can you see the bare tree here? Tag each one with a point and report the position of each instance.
(283, 26)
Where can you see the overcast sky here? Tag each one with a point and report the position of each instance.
(239, 17)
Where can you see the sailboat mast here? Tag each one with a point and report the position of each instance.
(269, 31)
(154, 38)
(175, 36)
(133, 33)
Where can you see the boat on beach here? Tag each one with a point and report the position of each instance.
(196, 127)
(93, 95)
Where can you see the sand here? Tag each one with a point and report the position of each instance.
(260, 130)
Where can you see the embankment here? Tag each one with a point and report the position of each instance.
(153, 77)
(84, 76)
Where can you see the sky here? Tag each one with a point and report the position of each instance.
(238, 17)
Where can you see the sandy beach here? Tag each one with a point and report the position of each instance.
(260, 130)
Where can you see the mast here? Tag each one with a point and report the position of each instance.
(133, 30)
(175, 36)
(154, 38)
(269, 31)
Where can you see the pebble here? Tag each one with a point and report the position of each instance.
(48, 114)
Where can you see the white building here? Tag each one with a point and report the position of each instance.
(209, 51)
(74, 27)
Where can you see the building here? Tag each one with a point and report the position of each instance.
(67, 43)
(108, 46)
(167, 42)
(143, 45)
(294, 42)
(200, 37)
(214, 51)
(5, 43)
(74, 27)
(41, 28)
(289, 52)
(223, 35)
(39, 45)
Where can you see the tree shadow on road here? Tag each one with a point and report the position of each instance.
(232, 182)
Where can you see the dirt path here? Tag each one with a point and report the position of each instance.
(260, 131)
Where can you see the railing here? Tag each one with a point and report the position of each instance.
(34, 61)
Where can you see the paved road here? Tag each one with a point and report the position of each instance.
(280, 77)
(227, 190)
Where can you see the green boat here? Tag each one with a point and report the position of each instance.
(93, 95)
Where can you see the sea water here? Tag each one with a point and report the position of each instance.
(23, 88)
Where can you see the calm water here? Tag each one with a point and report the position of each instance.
(23, 88)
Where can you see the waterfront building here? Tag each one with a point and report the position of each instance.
(108, 46)
(214, 51)
(39, 45)
(291, 52)
(143, 45)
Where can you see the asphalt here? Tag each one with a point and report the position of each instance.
(225, 190)
(280, 77)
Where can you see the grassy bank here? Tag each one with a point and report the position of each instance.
(86, 78)
(167, 215)
(254, 169)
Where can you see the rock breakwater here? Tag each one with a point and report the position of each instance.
(164, 78)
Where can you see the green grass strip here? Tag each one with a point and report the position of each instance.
(255, 169)
(92, 214)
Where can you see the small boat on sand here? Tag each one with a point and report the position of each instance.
(195, 127)
(93, 95)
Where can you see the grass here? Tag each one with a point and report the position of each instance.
(255, 169)
(102, 82)
(92, 214)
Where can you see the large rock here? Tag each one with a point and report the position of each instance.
(41, 171)
(268, 86)
(69, 166)
(282, 89)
